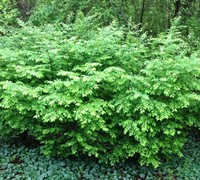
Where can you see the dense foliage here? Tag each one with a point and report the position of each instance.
(83, 85)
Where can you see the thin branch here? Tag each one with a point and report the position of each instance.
(142, 14)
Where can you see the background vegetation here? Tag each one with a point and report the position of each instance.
(108, 79)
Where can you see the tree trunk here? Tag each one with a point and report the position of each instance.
(177, 5)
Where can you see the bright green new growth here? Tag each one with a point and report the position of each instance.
(102, 93)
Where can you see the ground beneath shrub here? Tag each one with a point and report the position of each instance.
(19, 162)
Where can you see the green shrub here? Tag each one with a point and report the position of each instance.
(8, 12)
(8, 15)
(66, 11)
(105, 93)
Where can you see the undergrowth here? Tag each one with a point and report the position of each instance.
(22, 162)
